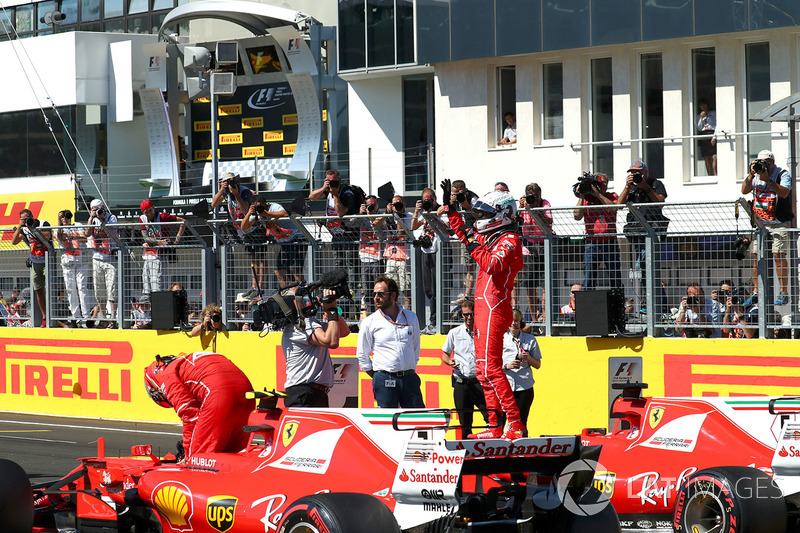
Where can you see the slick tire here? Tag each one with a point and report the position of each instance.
(341, 512)
(16, 499)
(729, 499)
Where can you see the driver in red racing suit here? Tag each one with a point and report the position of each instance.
(207, 392)
(498, 251)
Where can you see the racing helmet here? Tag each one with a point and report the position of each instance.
(494, 210)
(152, 383)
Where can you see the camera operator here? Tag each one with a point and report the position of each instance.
(36, 260)
(155, 236)
(74, 267)
(772, 187)
(104, 260)
(531, 277)
(462, 198)
(373, 235)
(428, 242)
(640, 188)
(306, 347)
(210, 321)
(601, 232)
(718, 306)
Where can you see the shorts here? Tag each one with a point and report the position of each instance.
(38, 276)
(398, 270)
(780, 240)
(291, 257)
(255, 244)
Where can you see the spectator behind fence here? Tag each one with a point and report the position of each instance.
(510, 130)
(740, 311)
(531, 277)
(391, 335)
(693, 311)
(601, 234)
(717, 305)
(373, 235)
(306, 348)
(155, 237)
(463, 198)
(772, 204)
(75, 268)
(520, 354)
(141, 313)
(104, 259)
(396, 252)
(568, 310)
(428, 242)
(458, 352)
(210, 321)
(641, 188)
(27, 230)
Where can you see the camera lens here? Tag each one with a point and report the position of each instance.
(260, 208)
(427, 205)
(216, 318)
(637, 177)
(530, 199)
(371, 208)
(758, 166)
(461, 196)
(398, 206)
(335, 183)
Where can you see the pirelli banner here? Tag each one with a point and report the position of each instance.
(256, 121)
(100, 373)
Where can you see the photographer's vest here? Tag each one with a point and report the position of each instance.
(334, 226)
(100, 242)
(765, 202)
(37, 248)
(72, 245)
(397, 245)
(370, 249)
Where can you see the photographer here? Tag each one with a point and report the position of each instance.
(36, 260)
(210, 321)
(693, 311)
(74, 266)
(104, 260)
(396, 253)
(155, 236)
(462, 198)
(428, 242)
(601, 232)
(531, 277)
(306, 347)
(373, 235)
(772, 187)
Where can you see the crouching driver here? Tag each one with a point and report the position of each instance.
(207, 391)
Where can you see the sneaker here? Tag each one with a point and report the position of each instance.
(751, 300)
(514, 430)
(430, 330)
(782, 298)
(491, 433)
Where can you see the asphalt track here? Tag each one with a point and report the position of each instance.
(47, 446)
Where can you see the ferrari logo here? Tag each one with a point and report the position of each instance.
(655, 416)
(288, 433)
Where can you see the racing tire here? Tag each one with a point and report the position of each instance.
(16, 499)
(341, 512)
(729, 499)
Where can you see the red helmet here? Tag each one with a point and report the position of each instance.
(152, 384)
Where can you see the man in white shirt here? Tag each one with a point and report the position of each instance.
(392, 335)
(104, 259)
(510, 131)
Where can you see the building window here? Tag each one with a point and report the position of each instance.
(653, 113)
(380, 33)
(417, 123)
(506, 104)
(602, 116)
(552, 101)
(704, 97)
(7, 23)
(758, 96)
(90, 10)
(24, 19)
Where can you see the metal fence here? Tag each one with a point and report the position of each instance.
(657, 254)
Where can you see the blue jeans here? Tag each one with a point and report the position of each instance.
(595, 254)
(405, 393)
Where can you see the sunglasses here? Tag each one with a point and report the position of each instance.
(467, 315)
(379, 294)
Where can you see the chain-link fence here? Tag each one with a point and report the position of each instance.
(685, 269)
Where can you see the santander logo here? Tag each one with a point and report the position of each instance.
(403, 476)
(791, 452)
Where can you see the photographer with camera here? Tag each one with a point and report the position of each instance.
(531, 277)
(462, 199)
(155, 236)
(740, 310)
(428, 243)
(306, 347)
(210, 321)
(104, 260)
(33, 231)
(396, 252)
(693, 311)
(601, 231)
(373, 235)
(772, 187)
(74, 267)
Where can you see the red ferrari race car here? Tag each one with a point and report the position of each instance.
(323, 471)
(701, 465)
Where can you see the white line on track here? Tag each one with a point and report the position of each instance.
(123, 430)
(39, 440)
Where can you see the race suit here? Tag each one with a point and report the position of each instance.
(499, 258)
(207, 391)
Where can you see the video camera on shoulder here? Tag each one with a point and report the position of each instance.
(585, 184)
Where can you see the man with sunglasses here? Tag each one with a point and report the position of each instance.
(373, 234)
(494, 243)
(392, 336)
(458, 352)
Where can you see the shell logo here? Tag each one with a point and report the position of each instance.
(174, 501)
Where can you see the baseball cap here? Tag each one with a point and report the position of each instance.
(766, 154)
(145, 205)
(97, 202)
(638, 165)
(227, 176)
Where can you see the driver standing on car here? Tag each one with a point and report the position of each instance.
(207, 392)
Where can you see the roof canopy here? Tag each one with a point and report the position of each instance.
(786, 110)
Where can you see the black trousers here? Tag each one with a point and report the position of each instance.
(306, 395)
(468, 395)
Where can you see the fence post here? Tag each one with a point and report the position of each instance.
(764, 287)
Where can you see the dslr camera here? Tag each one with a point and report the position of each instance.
(427, 205)
(425, 242)
(32, 222)
(531, 199)
(585, 184)
(759, 166)
(740, 247)
(637, 176)
(233, 183)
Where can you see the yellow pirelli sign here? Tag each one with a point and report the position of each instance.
(232, 109)
(324, 115)
(325, 145)
(271, 136)
(288, 149)
(289, 120)
(202, 154)
(253, 122)
(253, 151)
(202, 125)
(231, 138)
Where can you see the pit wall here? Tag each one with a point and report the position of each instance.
(98, 374)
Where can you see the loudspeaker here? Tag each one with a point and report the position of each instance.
(169, 309)
(599, 313)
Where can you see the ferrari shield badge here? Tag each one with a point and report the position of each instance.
(655, 416)
(288, 433)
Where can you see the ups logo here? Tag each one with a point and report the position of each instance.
(220, 512)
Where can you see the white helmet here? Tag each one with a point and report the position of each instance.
(494, 210)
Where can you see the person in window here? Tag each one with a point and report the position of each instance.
(510, 131)
(707, 125)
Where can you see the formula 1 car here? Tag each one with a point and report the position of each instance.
(701, 465)
(323, 471)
